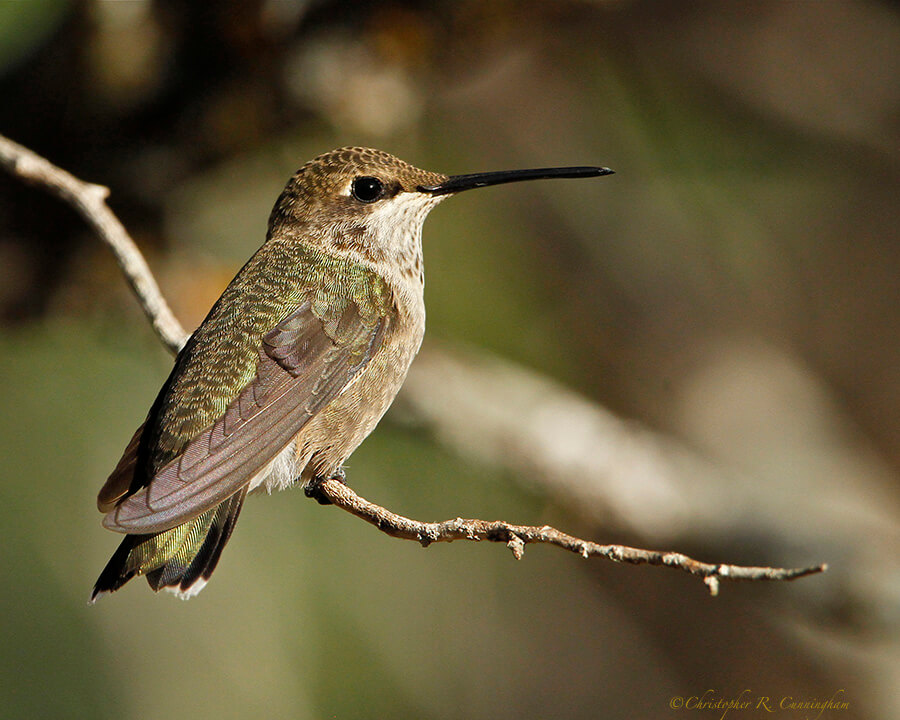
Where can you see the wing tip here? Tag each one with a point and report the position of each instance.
(111, 522)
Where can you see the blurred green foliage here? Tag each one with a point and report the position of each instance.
(25, 25)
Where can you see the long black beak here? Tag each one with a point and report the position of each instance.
(458, 183)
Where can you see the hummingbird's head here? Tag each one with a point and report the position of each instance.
(371, 205)
(361, 202)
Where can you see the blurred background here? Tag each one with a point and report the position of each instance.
(698, 353)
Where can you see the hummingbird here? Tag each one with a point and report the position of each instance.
(292, 368)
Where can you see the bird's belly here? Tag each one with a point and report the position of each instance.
(327, 440)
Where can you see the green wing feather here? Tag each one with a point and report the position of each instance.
(222, 357)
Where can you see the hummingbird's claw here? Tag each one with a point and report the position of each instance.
(313, 488)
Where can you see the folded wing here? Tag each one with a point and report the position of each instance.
(304, 363)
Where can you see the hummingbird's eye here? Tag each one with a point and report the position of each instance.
(367, 189)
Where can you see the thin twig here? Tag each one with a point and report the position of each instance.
(90, 201)
(516, 537)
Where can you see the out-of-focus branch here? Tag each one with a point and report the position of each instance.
(90, 201)
(607, 470)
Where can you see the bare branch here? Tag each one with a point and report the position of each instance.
(516, 537)
(90, 201)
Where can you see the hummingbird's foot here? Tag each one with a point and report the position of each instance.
(313, 488)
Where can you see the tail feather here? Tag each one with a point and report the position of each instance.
(180, 559)
(208, 557)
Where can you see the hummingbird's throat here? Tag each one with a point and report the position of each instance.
(388, 237)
